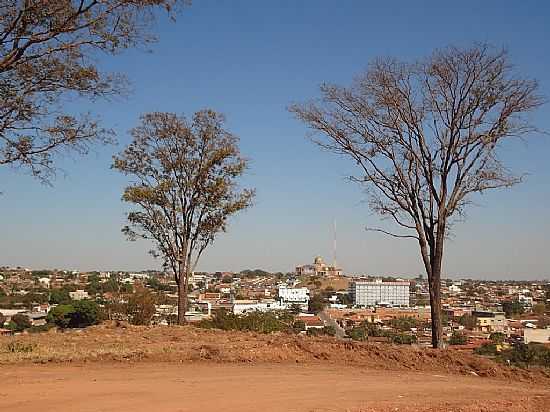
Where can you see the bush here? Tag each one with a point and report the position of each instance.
(80, 314)
(405, 323)
(299, 326)
(526, 355)
(487, 349)
(21, 322)
(403, 339)
(497, 337)
(20, 347)
(358, 333)
(40, 329)
(256, 321)
(458, 338)
(329, 330)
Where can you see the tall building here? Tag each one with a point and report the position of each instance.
(379, 293)
(318, 268)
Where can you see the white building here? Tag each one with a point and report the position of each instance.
(379, 293)
(536, 335)
(44, 282)
(293, 296)
(79, 295)
(243, 306)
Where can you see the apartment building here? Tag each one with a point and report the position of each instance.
(379, 293)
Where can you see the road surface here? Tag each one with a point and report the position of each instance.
(325, 317)
(210, 387)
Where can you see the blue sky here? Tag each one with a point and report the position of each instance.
(250, 60)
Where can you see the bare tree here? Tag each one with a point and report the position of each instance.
(48, 53)
(185, 188)
(425, 137)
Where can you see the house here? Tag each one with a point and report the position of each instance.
(536, 335)
(490, 321)
(311, 321)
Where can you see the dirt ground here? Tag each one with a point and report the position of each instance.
(113, 368)
(228, 387)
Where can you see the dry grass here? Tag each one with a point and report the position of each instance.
(110, 342)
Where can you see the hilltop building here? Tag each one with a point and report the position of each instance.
(318, 268)
(379, 293)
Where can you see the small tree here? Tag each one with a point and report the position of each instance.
(185, 188)
(316, 304)
(141, 306)
(2, 320)
(424, 136)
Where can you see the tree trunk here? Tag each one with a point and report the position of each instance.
(434, 280)
(182, 294)
(435, 307)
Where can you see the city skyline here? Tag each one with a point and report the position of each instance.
(276, 59)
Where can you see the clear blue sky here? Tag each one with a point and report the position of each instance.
(249, 60)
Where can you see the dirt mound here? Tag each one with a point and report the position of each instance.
(188, 344)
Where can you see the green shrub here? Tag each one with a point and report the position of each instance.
(458, 338)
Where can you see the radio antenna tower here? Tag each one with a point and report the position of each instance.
(334, 243)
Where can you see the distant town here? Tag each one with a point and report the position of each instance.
(319, 299)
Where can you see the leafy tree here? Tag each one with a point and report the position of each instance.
(21, 322)
(539, 309)
(512, 308)
(2, 320)
(59, 297)
(185, 187)
(316, 304)
(468, 321)
(141, 307)
(424, 136)
(94, 285)
(60, 316)
(227, 279)
(86, 313)
(48, 55)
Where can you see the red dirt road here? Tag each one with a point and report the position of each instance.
(205, 387)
